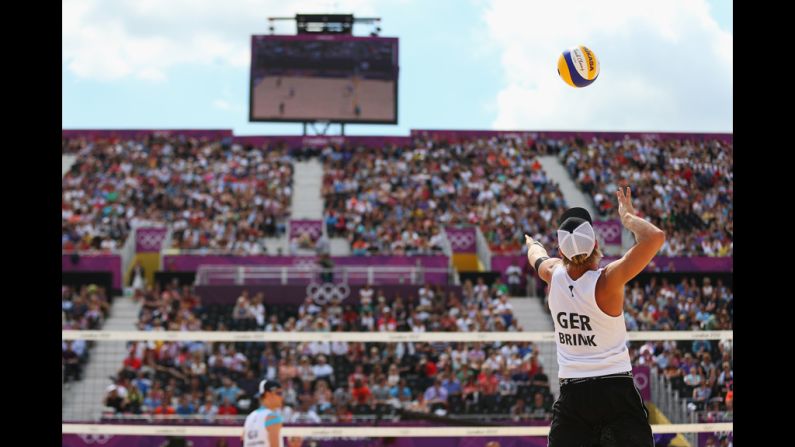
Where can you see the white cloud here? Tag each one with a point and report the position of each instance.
(664, 65)
(222, 104)
(151, 74)
(111, 40)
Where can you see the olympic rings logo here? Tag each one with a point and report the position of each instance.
(314, 229)
(150, 240)
(608, 232)
(460, 241)
(95, 439)
(323, 293)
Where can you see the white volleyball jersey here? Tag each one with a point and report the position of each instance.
(589, 342)
(255, 433)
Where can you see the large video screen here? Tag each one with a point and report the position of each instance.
(341, 79)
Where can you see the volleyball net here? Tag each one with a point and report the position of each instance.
(350, 388)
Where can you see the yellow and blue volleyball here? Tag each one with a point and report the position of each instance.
(578, 66)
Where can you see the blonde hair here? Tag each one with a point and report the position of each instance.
(584, 260)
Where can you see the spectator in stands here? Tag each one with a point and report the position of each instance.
(343, 414)
(380, 392)
(165, 408)
(436, 396)
(710, 370)
(508, 386)
(488, 386)
(185, 406)
(726, 376)
(273, 325)
(393, 376)
(701, 394)
(539, 377)
(249, 384)
(137, 280)
(481, 290)
(514, 275)
(519, 410)
(288, 369)
(209, 410)
(694, 377)
(153, 399)
(305, 370)
(227, 407)
(228, 392)
(305, 415)
(114, 400)
(257, 310)
(132, 363)
(326, 264)
(400, 394)
(71, 362)
(540, 409)
(418, 405)
(451, 383)
(323, 370)
(360, 393)
(342, 396)
(323, 398)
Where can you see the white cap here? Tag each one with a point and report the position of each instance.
(581, 241)
(267, 385)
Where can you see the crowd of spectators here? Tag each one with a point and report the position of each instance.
(700, 371)
(82, 308)
(689, 305)
(216, 195)
(396, 200)
(685, 187)
(390, 199)
(335, 380)
(339, 381)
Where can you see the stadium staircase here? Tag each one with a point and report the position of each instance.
(105, 361)
(557, 172)
(66, 163)
(308, 203)
(532, 316)
(574, 197)
(307, 198)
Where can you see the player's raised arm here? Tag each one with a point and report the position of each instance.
(649, 241)
(537, 257)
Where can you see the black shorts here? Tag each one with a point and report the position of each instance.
(603, 412)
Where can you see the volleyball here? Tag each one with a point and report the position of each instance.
(578, 66)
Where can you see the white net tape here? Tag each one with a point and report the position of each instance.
(366, 337)
(371, 337)
(359, 432)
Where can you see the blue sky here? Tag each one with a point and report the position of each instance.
(464, 64)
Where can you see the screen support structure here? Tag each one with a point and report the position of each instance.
(325, 126)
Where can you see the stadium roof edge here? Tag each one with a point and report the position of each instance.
(432, 133)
